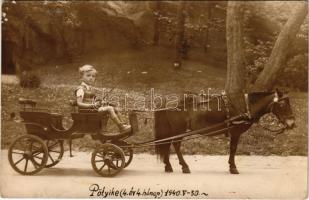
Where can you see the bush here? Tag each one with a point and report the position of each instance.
(29, 80)
(256, 57)
(295, 73)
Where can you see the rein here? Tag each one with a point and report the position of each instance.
(278, 131)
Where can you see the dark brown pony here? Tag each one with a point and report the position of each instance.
(171, 122)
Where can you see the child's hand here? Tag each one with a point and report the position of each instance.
(97, 104)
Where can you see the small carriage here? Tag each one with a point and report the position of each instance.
(43, 145)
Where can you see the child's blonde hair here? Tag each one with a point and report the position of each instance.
(86, 68)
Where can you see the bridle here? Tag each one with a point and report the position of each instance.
(276, 131)
(270, 108)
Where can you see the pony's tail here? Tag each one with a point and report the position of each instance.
(162, 149)
(161, 130)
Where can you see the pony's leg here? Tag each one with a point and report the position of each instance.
(233, 148)
(182, 162)
(166, 159)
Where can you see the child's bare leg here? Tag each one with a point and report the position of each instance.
(114, 117)
(111, 111)
(116, 109)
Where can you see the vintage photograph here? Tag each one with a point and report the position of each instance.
(154, 99)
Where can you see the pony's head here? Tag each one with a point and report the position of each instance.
(282, 109)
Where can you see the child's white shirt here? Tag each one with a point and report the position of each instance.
(80, 92)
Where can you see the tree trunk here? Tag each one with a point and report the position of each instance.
(26, 36)
(235, 51)
(156, 27)
(208, 20)
(180, 30)
(235, 82)
(266, 79)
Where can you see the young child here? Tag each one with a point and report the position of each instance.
(85, 97)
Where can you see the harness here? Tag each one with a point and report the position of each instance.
(270, 108)
(227, 110)
(244, 116)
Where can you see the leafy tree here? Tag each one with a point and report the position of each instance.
(278, 55)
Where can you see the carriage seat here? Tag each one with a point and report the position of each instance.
(88, 119)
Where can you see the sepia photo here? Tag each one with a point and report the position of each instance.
(154, 99)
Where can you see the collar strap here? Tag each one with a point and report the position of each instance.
(247, 105)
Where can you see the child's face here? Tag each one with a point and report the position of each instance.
(89, 77)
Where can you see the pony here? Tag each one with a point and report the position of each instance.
(216, 110)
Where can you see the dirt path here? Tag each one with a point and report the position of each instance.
(261, 177)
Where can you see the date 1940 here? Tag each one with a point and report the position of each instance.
(104, 192)
(177, 193)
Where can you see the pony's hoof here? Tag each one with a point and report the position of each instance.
(186, 170)
(168, 169)
(233, 170)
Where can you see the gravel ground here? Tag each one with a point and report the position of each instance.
(260, 177)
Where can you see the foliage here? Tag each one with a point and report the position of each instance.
(68, 29)
(259, 45)
(29, 80)
(197, 22)
(296, 70)
(256, 58)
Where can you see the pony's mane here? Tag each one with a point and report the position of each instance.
(255, 96)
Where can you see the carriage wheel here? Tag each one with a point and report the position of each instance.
(55, 152)
(28, 154)
(128, 151)
(108, 160)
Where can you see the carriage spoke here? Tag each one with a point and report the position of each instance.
(116, 159)
(26, 165)
(34, 163)
(37, 153)
(54, 151)
(31, 145)
(34, 143)
(19, 161)
(53, 145)
(102, 154)
(36, 148)
(102, 167)
(17, 152)
(112, 165)
(112, 158)
(51, 157)
(35, 156)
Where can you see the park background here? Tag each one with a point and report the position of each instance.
(133, 45)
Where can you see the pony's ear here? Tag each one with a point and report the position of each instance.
(280, 93)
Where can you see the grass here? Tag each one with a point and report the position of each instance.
(134, 73)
